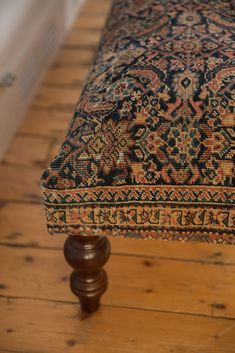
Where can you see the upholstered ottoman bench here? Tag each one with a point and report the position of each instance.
(150, 149)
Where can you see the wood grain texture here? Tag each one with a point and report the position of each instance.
(84, 39)
(47, 122)
(135, 281)
(66, 57)
(90, 22)
(20, 183)
(67, 76)
(33, 151)
(97, 8)
(45, 326)
(54, 98)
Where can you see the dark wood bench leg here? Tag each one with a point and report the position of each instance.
(87, 255)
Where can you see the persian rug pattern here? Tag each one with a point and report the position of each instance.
(150, 150)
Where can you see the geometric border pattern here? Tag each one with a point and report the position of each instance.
(149, 213)
(145, 193)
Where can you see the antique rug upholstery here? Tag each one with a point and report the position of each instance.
(150, 149)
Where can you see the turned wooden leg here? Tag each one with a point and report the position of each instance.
(87, 255)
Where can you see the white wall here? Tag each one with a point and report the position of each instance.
(30, 33)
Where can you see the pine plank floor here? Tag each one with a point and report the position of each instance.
(163, 297)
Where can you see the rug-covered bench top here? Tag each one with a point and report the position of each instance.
(150, 150)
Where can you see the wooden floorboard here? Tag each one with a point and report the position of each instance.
(90, 22)
(47, 326)
(67, 76)
(163, 297)
(55, 98)
(137, 282)
(75, 58)
(33, 151)
(47, 122)
(82, 38)
(20, 183)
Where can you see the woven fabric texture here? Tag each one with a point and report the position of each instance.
(150, 149)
